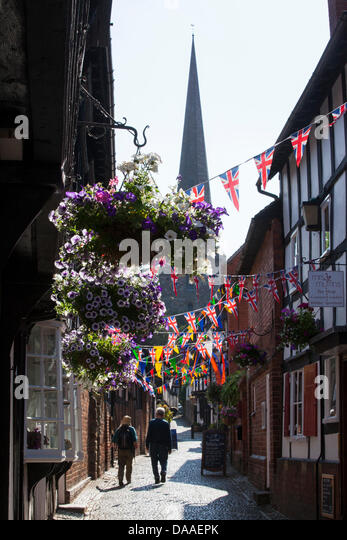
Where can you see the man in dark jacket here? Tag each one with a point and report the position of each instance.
(158, 441)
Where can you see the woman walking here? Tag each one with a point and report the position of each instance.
(125, 438)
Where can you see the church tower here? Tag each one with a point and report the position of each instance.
(193, 170)
(193, 166)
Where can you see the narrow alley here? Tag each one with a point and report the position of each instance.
(185, 496)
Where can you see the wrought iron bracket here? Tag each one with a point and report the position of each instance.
(113, 125)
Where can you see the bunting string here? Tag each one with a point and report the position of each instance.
(263, 161)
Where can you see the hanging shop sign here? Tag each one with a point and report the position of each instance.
(326, 289)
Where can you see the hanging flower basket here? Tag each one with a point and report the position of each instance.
(229, 415)
(109, 216)
(248, 355)
(298, 327)
(119, 299)
(106, 363)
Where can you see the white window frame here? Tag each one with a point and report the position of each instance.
(59, 454)
(294, 402)
(263, 415)
(325, 204)
(294, 259)
(327, 403)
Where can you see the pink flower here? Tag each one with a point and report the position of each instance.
(113, 182)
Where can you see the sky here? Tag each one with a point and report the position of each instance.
(254, 60)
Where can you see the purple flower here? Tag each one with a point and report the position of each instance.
(119, 196)
(71, 195)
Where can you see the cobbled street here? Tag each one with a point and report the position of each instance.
(186, 495)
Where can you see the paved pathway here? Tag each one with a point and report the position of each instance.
(186, 495)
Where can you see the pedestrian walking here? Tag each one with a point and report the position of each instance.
(125, 438)
(158, 441)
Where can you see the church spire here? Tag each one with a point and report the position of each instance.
(193, 166)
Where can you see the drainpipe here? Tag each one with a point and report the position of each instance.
(272, 195)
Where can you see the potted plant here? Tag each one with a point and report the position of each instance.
(248, 355)
(298, 327)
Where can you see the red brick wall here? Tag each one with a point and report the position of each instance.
(265, 325)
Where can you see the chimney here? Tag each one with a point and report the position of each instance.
(336, 8)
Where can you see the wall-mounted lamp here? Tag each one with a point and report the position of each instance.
(311, 215)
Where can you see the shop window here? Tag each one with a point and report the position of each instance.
(326, 226)
(52, 429)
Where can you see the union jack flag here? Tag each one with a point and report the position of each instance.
(255, 282)
(172, 340)
(230, 181)
(167, 354)
(299, 141)
(201, 349)
(218, 341)
(191, 320)
(186, 338)
(232, 307)
(263, 163)
(337, 113)
(284, 281)
(242, 337)
(200, 337)
(211, 284)
(250, 297)
(174, 278)
(172, 323)
(233, 340)
(211, 313)
(242, 280)
(292, 277)
(227, 285)
(152, 353)
(273, 287)
(197, 193)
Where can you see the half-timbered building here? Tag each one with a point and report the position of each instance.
(312, 471)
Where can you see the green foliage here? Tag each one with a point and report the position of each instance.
(213, 393)
(230, 393)
(298, 327)
(168, 413)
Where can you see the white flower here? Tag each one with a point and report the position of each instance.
(170, 235)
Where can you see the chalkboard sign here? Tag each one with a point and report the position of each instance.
(328, 496)
(213, 451)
